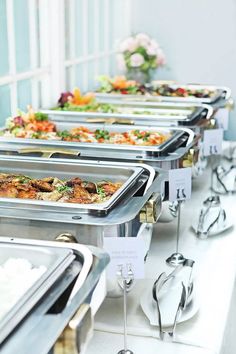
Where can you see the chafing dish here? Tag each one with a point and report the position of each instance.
(46, 220)
(66, 302)
(179, 150)
(128, 176)
(139, 113)
(220, 97)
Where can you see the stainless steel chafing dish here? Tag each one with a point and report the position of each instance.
(140, 113)
(132, 213)
(173, 153)
(219, 99)
(62, 298)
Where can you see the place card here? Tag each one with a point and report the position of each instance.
(212, 142)
(125, 252)
(222, 117)
(180, 184)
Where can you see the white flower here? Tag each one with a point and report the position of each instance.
(151, 50)
(142, 37)
(121, 62)
(136, 60)
(130, 44)
(154, 44)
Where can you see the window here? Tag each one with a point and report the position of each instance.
(48, 46)
(23, 69)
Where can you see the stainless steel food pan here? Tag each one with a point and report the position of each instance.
(93, 171)
(126, 209)
(137, 112)
(220, 93)
(42, 326)
(55, 261)
(174, 135)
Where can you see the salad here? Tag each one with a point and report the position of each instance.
(37, 125)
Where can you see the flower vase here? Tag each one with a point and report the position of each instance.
(138, 75)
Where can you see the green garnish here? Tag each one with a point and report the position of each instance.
(146, 136)
(100, 192)
(64, 189)
(138, 134)
(36, 135)
(40, 117)
(23, 179)
(64, 134)
(102, 134)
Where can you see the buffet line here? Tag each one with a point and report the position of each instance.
(96, 165)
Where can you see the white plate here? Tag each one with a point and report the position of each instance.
(168, 306)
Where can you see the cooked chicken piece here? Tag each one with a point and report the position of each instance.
(53, 196)
(24, 187)
(89, 186)
(42, 186)
(110, 188)
(8, 191)
(80, 200)
(48, 179)
(3, 176)
(27, 194)
(80, 192)
(74, 181)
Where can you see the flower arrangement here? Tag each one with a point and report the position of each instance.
(140, 53)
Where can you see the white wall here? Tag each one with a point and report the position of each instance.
(198, 37)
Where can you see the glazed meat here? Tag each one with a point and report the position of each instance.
(8, 190)
(42, 185)
(53, 189)
(110, 188)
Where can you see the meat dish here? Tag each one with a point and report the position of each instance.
(74, 190)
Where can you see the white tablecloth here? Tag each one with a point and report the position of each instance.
(211, 329)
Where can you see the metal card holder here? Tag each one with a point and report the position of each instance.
(126, 282)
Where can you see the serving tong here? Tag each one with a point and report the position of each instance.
(224, 185)
(185, 298)
(203, 228)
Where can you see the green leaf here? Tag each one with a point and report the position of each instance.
(39, 116)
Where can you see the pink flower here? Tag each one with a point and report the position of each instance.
(161, 59)
(121, 62)
(136, 60)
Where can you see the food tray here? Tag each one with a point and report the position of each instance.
(220, 92)
(164, 115)
(174, 134)
(64, 170)
(55, 261)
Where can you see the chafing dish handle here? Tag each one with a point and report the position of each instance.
(47, 153)
(228, 92)
(209, 109)
(191, 134)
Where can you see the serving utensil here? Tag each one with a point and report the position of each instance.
(203, 228)
(169, 335)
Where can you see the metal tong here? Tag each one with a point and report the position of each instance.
(211, 202)
(221, 173)
(184, 298)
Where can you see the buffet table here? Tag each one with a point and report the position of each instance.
(210, 331)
